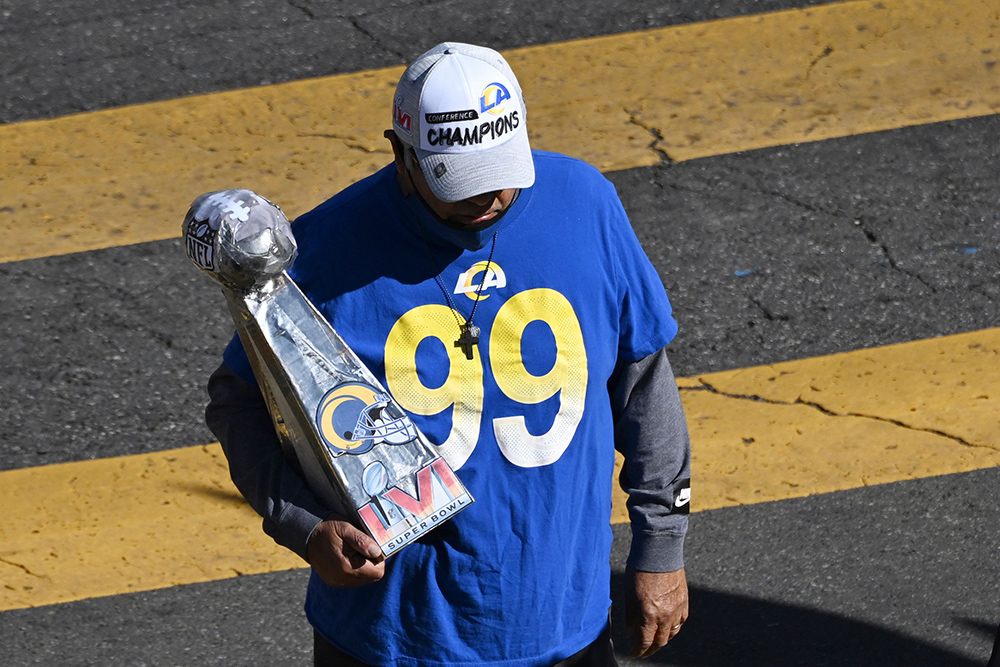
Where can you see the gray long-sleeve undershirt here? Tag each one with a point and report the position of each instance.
(650, 432)
(652, 435)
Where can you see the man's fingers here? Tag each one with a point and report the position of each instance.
(650, 639)
(367, 573)
(660, 639)
(342, 555)
(643, 635)
(360, 542)
(655, 609)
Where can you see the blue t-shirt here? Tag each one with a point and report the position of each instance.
(522, 576)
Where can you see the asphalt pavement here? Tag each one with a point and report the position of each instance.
(767, 255)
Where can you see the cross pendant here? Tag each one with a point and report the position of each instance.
(468, 339)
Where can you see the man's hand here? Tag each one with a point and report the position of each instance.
(656, 606)
(342, 555)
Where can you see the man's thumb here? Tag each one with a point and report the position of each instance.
(360, 542)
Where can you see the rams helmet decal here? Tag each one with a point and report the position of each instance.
(354, 417)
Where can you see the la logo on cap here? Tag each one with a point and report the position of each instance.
(467, 105)
(493, 97)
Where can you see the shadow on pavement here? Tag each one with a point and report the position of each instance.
(732, 630)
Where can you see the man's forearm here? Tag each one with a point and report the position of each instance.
(651, 433)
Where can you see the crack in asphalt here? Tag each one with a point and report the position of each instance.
(859, 222)
(302, 8)
(877, 36)
(393, 7)
(812, 208)
(981, 290)
(348, 143)
(356, 22)
(706, 386)
(883, 247)
(23, 567)
(812, 65)
(654, 145)
(768, 314)
(806, 206)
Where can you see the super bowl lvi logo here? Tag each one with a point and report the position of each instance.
(353, 417)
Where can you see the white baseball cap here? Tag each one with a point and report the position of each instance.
(460, 107)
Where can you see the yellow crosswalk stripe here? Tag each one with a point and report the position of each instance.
(91, 528)
(865, 417)
(930, 407)
(126, 175)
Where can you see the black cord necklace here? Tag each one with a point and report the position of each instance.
(469, 332)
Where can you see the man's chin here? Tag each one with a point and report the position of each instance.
(470, 223)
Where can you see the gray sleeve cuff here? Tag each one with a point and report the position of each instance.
(651, 433)
(658, 552)
(296, 524)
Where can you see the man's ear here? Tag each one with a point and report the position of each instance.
(402, 175)
(397, 152)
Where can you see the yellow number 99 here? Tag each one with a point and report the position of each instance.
(463, 389)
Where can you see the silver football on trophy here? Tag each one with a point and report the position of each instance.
(239, 238)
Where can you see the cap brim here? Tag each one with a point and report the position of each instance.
(456, 176)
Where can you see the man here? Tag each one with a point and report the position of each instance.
(502, 297)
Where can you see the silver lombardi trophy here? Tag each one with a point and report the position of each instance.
(359, 452)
